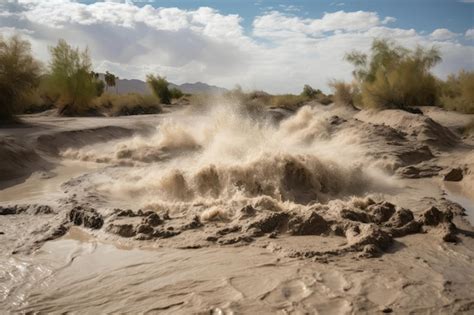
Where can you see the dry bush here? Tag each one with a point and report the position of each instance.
(458, 92)
(345, 94)
(127, 104)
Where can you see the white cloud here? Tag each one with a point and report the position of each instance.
(280, 53)
(443, 34)
(469, 34)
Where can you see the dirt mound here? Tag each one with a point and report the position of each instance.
(420, 127)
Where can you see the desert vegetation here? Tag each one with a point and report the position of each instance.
(127, 104)
(19, 75)
(159, 86)
(458, 92)
(390, 76)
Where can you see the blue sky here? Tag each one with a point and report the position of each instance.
(273, 45)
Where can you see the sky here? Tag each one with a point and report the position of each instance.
(271, 45)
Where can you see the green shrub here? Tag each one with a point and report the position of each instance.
(396, 77)
(176, 93)
(159, 86)
(309, 92)
(127, 104)
(70, 79)
(458, 92)
(19, 75)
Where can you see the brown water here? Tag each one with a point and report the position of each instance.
(78, 273)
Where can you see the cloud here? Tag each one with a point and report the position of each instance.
(280, 52)
(469, 34)
(443, 34)
(275, 24)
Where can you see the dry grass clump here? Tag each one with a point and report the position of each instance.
(458, 92)
(127, 104)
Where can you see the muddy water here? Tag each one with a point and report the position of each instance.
(46, 184)
(78, 273)
(455, 193)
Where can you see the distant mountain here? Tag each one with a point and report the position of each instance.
(124, 86)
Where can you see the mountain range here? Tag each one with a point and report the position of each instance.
(124, 86)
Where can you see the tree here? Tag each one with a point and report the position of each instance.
(19, 74)
(71, 78)
(159, 86)
(111, 80)
(394, 76)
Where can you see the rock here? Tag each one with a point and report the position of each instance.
(247, 212)
(448, 232)
(433, 216)
(400, 218)
(381, 212)
(145, 229)
(125, 213)
(411, 227)
(86, 217)
(454, 175)
(419, 171)
(368, 234)
(8, 210)
(355, 215)
(152, 219)
(33, 209)
(270, 222)
(124, 230)
(40, 209)
(194, 224)
(312, 224)
(161, 233)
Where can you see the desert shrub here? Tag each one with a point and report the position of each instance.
(458, 92)
(127, 104)
(19, 75)
(309, 92)
(176, 93)
(345, 94)
(396, 77)
(70, 79)
(289, 101)
(325, 99)
(159, 86)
